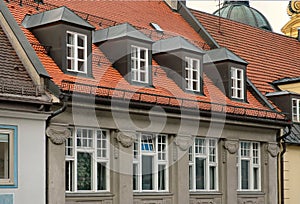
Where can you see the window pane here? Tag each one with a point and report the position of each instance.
(69, 175)
(70, 38)
(84, 171)
(80, 41)
(70, 64)
(70, 52)
(101, 176)
(190, 177)
(147, 173)
(135, 177)
(161, 177)
(245, 174)
(200, 173)
(4, 156)
(143, 54)
(81, 66)
(81, 54)
(255, 178)
(212, 178)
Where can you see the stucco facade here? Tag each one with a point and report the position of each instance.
(228, 134)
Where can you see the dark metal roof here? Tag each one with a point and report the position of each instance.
(60, 14)
(174, 43)
(286, 80)
(294, 136)
(241, 11)
(119, 31)
(222, 54)
(280, 93)
(23, 40)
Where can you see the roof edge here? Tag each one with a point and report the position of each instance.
(31, 54)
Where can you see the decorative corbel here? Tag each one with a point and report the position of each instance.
(126, 138)
(183, 141)
(58, 134)
(231, 146)
(273, 149)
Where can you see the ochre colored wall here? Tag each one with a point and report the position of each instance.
(295, 87)
(291, 175)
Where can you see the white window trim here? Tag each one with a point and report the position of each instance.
(138, 63)
(236, 89)
(156, 162)
(75, 48)
(94, 158)
(297, 114)
(11, 162)
(189, 79)
(208, 164)
(252, 166)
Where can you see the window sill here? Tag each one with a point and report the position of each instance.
(156, 193)
(205, 193)
(250, 193)
(89, 194)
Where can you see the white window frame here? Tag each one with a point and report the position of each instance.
(190, 71)
(10, 174)
(296, 110)
(75, 47)
(71, 150)
(254, 159)
(211, 158)
(136, 69)
(137, 160)
(237, 90)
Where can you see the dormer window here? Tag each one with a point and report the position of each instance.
(139, 64)
(192, 74)
(76, 52)
(237, 83)
(296, 110)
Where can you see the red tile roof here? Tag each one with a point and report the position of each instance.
(107, 80)
(271, 56)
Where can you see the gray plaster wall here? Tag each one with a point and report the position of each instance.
(121, 184)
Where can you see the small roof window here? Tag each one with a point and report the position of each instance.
(157, 27)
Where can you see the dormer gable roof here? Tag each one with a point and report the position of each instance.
(52, 16)
(174, 43)
(119, 31)
(222, 54)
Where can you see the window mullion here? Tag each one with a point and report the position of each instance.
(95, 160)
(75, 159)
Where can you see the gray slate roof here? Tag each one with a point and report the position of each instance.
(119, 31)
(174, 43)
(286, 80)
(222, 54)
(23, 40)
(294, 136)
(60, 14)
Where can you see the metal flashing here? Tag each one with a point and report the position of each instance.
(196, 25)
(280, 93)
(222, 54)
(23, 41)
(60, 14)
(119, 31)
(286, 80)
(174, 43)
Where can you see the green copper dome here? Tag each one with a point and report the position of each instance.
(242, 12)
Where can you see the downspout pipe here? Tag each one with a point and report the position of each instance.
(281, 139)
(62, 109)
